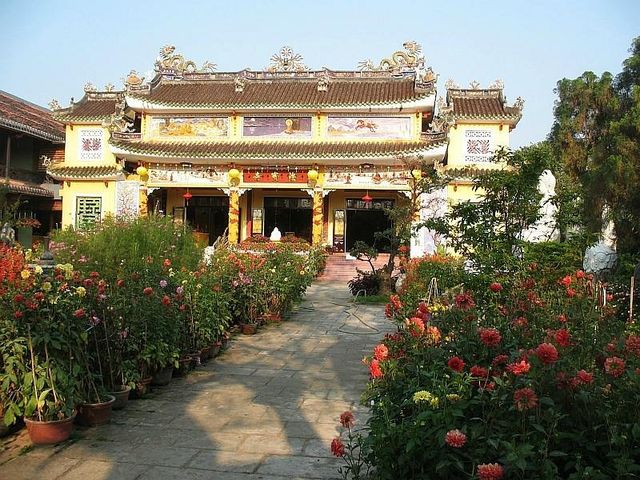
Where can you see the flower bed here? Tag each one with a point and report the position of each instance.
(127, 299)
(525, 377)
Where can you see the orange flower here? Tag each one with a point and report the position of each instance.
(525, 399)
(490, 471)
(455, 438)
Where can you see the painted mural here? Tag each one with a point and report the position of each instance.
(189, 126)
(127, 198)
(281, 127)
(478, 146)
(369, 127)
(90, 144)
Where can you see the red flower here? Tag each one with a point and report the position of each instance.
(479, 372)
(547, 353)
(566, 281)
(433, 334)
(388, 310)
(18, 314)
(167, 262)
(94, 275)
(347, 420)
(495, 287)
(120, 283)
(499, 361)
(614, 366)
(395, 301)
(563, 337)
(79, 313)
(521, 322)
(19, 298)
(490, 471)
(583, 378)
(39, 296)
(632, 344)
(381, 352)
(455, 438)
(490, 336)
(423, 307)
(519, 368)
(456, 364)
(580, 274)
(166, 300)
(416, 326)
(571, 292)
(525, 399)
(374, 369)
(562, 318)
(337, 447)
(87, 282)
(148, 291)
(464, 301)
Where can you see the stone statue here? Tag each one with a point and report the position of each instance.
(275, 235)
(7, 234)
(599, 258)
(544, 229)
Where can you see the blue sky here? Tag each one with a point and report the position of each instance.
(51, 48)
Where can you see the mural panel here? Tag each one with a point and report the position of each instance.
(127, 198)
(281, 127)
(478, 146)
(90, 144)
(189, 127)
(398, 128)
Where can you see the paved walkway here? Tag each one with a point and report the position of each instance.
(266, 409)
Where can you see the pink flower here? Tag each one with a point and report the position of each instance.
(490, 471)
(79, 313)
(455, 438)
(381, 352)
(547, 353)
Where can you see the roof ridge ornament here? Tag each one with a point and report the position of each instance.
(90, 87)
(54, 105)
(323, 82)
(168, 62)
(519, 104)
(239, 82)
(399, 61)
(474, 85)
(452, 85)
(498, 84)
(287, 61)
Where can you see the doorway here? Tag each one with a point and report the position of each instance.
(209, 215)
(364, 219)
(290, 215)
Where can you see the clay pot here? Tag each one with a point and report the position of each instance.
(195, 359)
(183, 366)
(273, 317)
(205, 354)
(142, 388)
(248, 328)
(162, 377)
(49, 432)
(94, 414)
(121, 396)
(215, 350)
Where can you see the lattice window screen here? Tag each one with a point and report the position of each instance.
(88, 210)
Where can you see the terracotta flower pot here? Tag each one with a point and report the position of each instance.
(205, 354)
(183, 366)
(195, 359)
(49, 432)
(142, 388)
(249, 328)
(121, 396)
(94, 414)
(215, 350)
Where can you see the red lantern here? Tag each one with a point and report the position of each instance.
(367, 198)
(187, 196)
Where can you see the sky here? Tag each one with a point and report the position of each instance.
(51, 48)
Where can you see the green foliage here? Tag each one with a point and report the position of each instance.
(366, 283)
(595, 137)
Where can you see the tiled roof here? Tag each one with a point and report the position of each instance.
(481, 104)
(27, 188)
(93, 107)
(282, 92)
(286, 150)
(468, 172)
(22, 116)
(98, 172)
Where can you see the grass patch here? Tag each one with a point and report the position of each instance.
(375, 299)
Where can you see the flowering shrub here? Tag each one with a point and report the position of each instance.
(526, 377)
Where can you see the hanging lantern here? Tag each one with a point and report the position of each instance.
(142, 171)
(416, 174)
(187, 196)
(234, 174)
(367, 198)
(312, 175)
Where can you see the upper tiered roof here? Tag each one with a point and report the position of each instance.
(25, 117)
(94, 107)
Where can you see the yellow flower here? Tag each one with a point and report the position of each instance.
(453, 397)
(25, 274)
(38, 270)
(28, 255)
(423, 396)
(46, 286)
(81, 291)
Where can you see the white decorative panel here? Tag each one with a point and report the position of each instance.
(478, 146)
(127, 198)
(90, 144)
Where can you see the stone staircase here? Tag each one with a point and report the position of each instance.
(342, 269)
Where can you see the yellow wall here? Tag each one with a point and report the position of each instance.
(71, 190)
(71, 148)
(456, 151)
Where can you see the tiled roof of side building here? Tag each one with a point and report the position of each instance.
(93, 107)
(295, 92)
(98, 172)
(482, 104)
(274, 150)
(23, 116)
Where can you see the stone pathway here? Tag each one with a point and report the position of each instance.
(266, 409)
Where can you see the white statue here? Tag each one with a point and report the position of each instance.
(275, 235)
(544, 229)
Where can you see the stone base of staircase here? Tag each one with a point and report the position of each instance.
(341, 268)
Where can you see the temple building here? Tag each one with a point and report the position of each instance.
(316, 153)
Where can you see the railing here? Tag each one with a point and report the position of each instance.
(127, 135)
(433, 136)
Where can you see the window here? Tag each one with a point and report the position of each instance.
(88, 210)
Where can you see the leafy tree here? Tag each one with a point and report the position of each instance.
(595, 137)
(489, 230)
